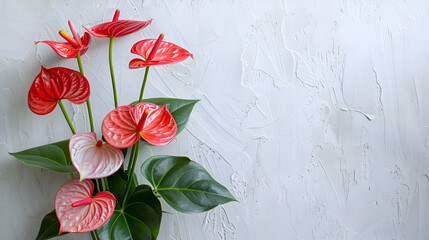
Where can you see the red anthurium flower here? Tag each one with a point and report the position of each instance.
(78, 211)
(93, 159)
(117, 28)
(123, 126)
(74, 44)
(157, 52)
(54, 84)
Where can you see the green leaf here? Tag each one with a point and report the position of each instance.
(118, 184)
(124, 151)
(140, 219)
(184, 184)
(180, 109)
(50, 227)
(54, 157)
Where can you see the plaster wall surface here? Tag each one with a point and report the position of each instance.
(313, 113)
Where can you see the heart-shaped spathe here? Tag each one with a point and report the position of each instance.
(123, 126)
(54, 84)
(77, 211)
(117, 28)
(157, 52)
(93, 159)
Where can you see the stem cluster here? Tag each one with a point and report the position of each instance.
(135, 149)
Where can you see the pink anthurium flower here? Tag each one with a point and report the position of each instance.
(78, 211)
(54, 84)
(123, 126)
(117, 28)
(93, 159)
(157, 52)
(74, 44)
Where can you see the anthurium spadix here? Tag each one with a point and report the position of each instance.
(74, 44)
(76, 209)
(54, 84)
(123, 126)
(92, 158)
(157, 52)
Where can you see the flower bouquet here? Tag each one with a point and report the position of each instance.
(106, 199)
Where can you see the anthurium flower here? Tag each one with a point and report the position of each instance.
(78, 211)
(157, 52)
(123, 126)
(54, 84)
(117, 28)
(92, 158)
(74, 44)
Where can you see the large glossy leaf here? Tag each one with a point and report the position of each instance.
(118, 184)
(184, 184)
(50, 227)
(139, 219)
(180, 109)
(54, 157)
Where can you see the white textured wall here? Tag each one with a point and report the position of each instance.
(314, 113)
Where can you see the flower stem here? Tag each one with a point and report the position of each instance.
(71, 175)
(66, 116)
(91, 121)
(99, 184)
(143, 84)
(93, 235)
(106, 184)
(112, 74)
(131, 158)
(88, 103)
(79, 62)
(96, 234)
(131, 173)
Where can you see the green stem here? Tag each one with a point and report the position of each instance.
(112, 74)
(88, 103)
(96, 234)
(71, 175)
(143, 84)
(106, 184)
(66, 116)
(131, 159)
(131, 173)
(100, 185)
(93, 235)
(91, 121)
(79, 62)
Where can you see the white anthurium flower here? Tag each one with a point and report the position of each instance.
(92, 158)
